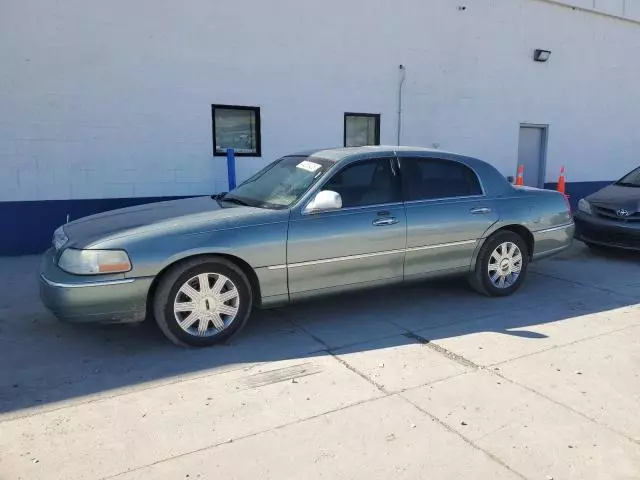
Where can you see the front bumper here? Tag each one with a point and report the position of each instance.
(87, 299)
(610, 233)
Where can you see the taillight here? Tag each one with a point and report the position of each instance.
(567, 203)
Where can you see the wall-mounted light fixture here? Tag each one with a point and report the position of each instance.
(541, 55)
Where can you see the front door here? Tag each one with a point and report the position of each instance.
(531, 154)
(447, 212)
(361, 243)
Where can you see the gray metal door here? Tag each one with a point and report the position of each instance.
(531, 154)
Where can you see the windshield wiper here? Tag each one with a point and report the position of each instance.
(235, 200)
(628, 184)
(217, 197)
(224, 196)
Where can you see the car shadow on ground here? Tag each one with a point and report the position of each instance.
(45, 361)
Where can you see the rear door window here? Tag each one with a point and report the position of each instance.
(432, 178)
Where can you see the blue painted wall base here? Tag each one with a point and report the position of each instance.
(29, 225)
(578, 190)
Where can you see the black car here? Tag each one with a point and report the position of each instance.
(611, 216)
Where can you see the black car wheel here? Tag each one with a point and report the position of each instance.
(202, 302)
(501, 266)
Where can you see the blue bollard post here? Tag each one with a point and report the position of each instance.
(231, 168)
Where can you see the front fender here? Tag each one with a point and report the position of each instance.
(257, 245)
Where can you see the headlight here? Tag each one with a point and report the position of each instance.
(584, 206)
(59, 238)
(92, 262)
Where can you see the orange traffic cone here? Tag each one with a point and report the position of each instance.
(520, 176)
(561, 183)
(562, 189)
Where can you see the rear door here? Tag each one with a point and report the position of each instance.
(447, 213)
(361, 243)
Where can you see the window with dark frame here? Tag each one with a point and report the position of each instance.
(236, 127)
(367, 182)
(361, 129)
(431, 178)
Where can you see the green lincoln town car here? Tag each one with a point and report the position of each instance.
(312, 223)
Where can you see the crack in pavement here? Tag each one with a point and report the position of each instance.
(555, 347)
(593, 420)
(473, 366)
(443, 351)
(492, 370)
(571, 409)
(243, 437)
(467, 440)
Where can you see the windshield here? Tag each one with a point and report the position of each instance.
(631, 179)
(281, 183)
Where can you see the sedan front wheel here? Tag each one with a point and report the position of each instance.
(202, 302)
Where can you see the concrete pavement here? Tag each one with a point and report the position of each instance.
(424, 381)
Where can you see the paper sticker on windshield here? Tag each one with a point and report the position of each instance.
(308, 166)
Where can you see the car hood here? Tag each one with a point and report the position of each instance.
(201, 213)
(617, 196)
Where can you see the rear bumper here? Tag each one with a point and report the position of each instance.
(599, 231)
(552, 241)
(92, 299)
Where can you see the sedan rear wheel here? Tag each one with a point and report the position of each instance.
(501, 265)
(505, 264)
(202, 302)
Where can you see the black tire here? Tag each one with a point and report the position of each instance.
(479, 278)
(175, 278)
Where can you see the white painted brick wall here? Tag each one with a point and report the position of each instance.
(620, 8)
(112, 99)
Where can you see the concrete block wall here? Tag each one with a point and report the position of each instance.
(621, 8)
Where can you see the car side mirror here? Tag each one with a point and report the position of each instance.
(324, 200)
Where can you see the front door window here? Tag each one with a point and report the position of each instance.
(368, 182)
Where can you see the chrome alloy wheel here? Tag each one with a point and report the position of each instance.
(505, 264)
(206, 304)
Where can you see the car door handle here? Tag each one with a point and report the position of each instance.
(379, 222)
(480, 211)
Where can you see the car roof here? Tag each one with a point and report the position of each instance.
(341, 153)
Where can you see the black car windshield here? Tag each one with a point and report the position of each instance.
(631, 179)
(280, 184)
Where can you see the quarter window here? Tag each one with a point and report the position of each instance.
(361, 129)
(368, 182)
(430, 178)
(238, 128)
